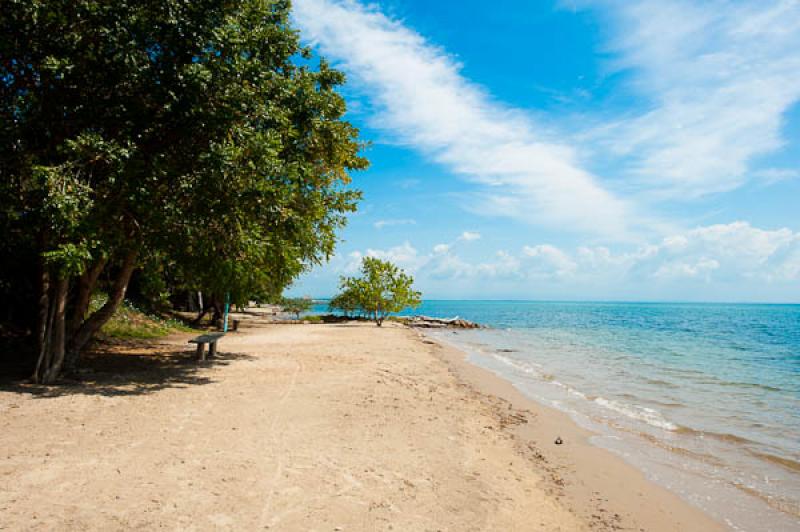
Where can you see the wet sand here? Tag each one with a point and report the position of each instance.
(309, 427)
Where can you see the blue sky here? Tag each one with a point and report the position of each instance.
(583, 149)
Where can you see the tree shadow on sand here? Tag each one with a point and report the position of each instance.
(137, 370)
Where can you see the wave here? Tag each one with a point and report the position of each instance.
(720, 436)
(525, 368)
(640, 413)
(662, 383)
(669, 446)
(649, 416)
(788, 463)
(738, 384)
(570, 390)
(536, 372)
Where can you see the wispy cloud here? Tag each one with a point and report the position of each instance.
(719, 77)
(770, 176)
(424, 101)
(380, 224)
(410, 183)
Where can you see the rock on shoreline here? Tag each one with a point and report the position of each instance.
(427, 322)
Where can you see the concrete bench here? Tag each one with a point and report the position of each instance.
(211, 339)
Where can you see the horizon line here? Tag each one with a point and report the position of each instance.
(619, 301)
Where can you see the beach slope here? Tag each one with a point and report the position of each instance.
(314, 427)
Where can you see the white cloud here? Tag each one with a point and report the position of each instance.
(353, 263)
(678, 269)
(445, 265)
(722, 252)
(405, 256)
(550, 260)
(718, 75)
(425, 102)
(466, 236)
(726, 253)
(789, 269)
(748, 247)
(469, 236)
(504, 265)
(380, 224)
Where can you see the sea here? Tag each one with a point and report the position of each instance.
(703, 398)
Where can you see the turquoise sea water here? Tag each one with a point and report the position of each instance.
(705, 398)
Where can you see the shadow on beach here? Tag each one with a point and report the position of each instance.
(138, 369)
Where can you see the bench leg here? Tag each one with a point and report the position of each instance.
(201, 352)
(212, 349)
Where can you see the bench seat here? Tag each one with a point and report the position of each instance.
(211, 339)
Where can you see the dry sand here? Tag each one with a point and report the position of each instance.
(310, 427)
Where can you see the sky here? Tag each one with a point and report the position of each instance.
(637, 150)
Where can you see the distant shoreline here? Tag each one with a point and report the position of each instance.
(600, 301)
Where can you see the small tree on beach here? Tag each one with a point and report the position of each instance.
(296, 305)
(345, 302)
(382, 289)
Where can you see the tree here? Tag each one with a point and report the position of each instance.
(182, 135)
(345, 302)
(296, 305)
(382, 289)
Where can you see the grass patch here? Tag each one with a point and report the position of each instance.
(130, 323)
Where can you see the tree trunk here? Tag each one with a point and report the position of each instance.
(57, 347)
(86, 284)
(80, 309)
(92, 324)
(43, 321)
(53, 337)
(216, 304)
(200, 316)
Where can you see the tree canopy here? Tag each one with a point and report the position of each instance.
(196, 139)
(380, 290)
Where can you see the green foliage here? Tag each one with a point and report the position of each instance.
(198, 137)
(270, 190)
(382, 289)
(131, 323)
(345, 302)
(296, 305)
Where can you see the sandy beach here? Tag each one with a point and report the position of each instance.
(309, 427)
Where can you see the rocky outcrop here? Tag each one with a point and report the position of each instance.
(427, 322)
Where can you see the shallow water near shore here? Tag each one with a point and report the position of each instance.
(705, 399)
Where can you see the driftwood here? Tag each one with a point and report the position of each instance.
(427, 322)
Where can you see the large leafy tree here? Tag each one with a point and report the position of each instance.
(380, 290)
(191, 135)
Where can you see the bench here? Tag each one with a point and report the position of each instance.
(211, 339)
